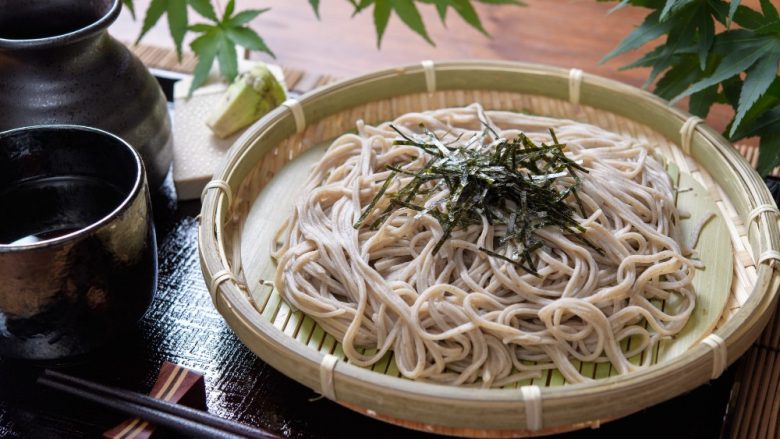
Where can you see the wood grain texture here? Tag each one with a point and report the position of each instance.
(563, 33)
(175, 384)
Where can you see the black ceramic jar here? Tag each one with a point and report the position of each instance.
(58, 64)
(78, 258)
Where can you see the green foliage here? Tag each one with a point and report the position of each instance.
(737, 66)
(219, 37)
(315, 4)
(407, 11)
(130, 7)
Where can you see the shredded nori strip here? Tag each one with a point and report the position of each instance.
(515, 182)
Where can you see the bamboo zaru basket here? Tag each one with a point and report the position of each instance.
(253, 190)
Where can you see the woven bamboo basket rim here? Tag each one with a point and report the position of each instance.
(570, 406)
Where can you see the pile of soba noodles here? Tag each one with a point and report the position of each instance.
(458, 315)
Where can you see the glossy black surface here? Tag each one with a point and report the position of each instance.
(59, 180)
(37, 19)
(58, 64)
(182, 326)
(773, 183)
(79, 264)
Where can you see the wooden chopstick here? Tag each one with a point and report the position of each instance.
(163, 413)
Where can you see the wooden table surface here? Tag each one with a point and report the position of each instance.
(565, 33)
(183, 327)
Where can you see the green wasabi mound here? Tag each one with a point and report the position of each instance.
(252, 95)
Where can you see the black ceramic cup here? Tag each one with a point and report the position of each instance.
(78, 257)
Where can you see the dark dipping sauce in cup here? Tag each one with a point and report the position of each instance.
(50, 207)
(78, 256)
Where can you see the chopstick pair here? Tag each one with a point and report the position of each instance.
(165, 414)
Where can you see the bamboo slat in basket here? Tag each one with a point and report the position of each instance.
(274, 203)
(328, 110)
(760, 417)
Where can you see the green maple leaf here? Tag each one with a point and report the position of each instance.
(466, 10)
(736, 66)
(382, 10)
(759, 77)
(315, 5)
(204, 8)
(733, 64)
(762, 118)
(407, 11)
(176, 11)
(130, 7)
(649, 30)
(409, 14)
(219, 39)
(768, 154)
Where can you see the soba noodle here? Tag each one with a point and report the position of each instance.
(460, 316)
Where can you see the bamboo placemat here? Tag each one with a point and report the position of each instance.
(756, 392)
(755, 406)
(162, 58)
(165, 59)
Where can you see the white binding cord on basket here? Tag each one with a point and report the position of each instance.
(774, 255)
(532, 396)
(223, 186)
(686, 133)
(297, 111)
(219, 277)
(575, 84)
(430, 75)
(752, 216)
(719, 354)
(758, 210)
(327, 367)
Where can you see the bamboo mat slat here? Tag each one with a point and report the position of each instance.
(162, 58)
(756, 409)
